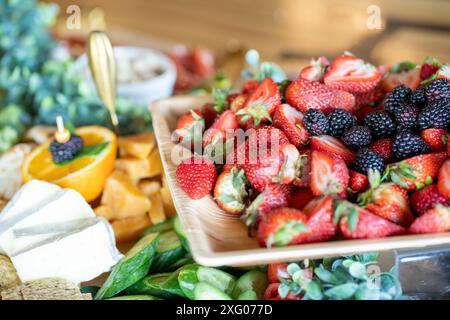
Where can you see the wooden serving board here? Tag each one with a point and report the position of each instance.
(218, 239)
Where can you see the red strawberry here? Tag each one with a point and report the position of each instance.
(426, 199)
(332, 146)
(230, 191)
(202, 62)
(329, 174)
(227, 122)
(435, 220)
(261, 103)
(413, 173)
(300, 198)
(277, 272)
(249, 86)
(316, 69)
(266, 136)
(350, 73)
(302, 177)
(405, 73)
(196, 176)
(358, 223)
(190, 127)
(273, 197)
(383, 147)
(304, 94)
(429, 67)
(272, 293)
(444, 72)
(320, 222)
(209, 114)
(291, 164)
(281, 227)
(372, 97)
(358, 181)
(290, 121)
(444, 179)
(390, 202)
(436, 139)
(237, 103)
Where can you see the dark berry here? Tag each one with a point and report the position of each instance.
(438, 89)
(418, 98)
(357, 137)
(282, 86)
(406, 117)
(316, 122)
(66, 151)
(367, 159)
(340, 120)
(408, 145)
(435, 115)
(397, 97)
(380, 123)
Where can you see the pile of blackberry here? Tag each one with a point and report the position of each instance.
(66, 151)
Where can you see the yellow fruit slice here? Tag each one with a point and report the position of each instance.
(86, 173)
(138, 145)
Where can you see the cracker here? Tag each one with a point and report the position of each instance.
(51, 289)
(13, 293)
(8, 275)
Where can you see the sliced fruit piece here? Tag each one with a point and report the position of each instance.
(329, 174)
(226, 121)
(316, 69)
(444, 179)
(104, 212)
(190, 127)
(138, 145)
(149, 187)
(86, 173)
(435, 220)
(332, 146)
(427, 198)
(436, 139)
(230, 191)
(276, 272)
(320, 222)
(300, 198)
(290, 121)
(124, 198)
(406, 73)
(358, 181)
(350, 73)
(169, 207)
(196, 176)
(130, 229)
(156, 212)
(292, 165)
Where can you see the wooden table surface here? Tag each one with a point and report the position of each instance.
(289, 32)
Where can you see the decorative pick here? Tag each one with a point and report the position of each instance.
(62, 135)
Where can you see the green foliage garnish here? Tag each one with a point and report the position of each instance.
(87, 151)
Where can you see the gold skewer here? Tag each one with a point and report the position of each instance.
(103, 69)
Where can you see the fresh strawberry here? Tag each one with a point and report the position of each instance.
(425, 199)
(261, 103)
(436, 139)
(277, 272)
(416, 172)
(406, 73)
(372, 97)
(300, 198)
(358, 181)
(358, 223)
(444, 179)
(349, 73)
(320, 222)
(290, 121)
(262, 169)
(383, 147)
(237, 103)
(435, 220)
(273, 197)
(291, 167)
(332, 146)
(202, 62)
(190, 127)
(281, 227)
(389, 202)
(329, 174)
(429, 67)
(316, 69)
(230, 191)
(227, 122)
(249, 86)
(272, 293)
(304, 94)
(444, 72)
(196, 176)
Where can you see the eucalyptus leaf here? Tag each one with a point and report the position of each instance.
(325, 275)
(314, 290)
(342, 292)
(358, 270)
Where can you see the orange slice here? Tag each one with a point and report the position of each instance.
(86, 173)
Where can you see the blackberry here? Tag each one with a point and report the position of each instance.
(316, 122)
(357, 137)
(438, 89)
(380, 123)
(435, 115)
(406, 117)
(397, 97)
(408, 145)
(340, 120)
(418, 98)
(66, 151)
(367, 159)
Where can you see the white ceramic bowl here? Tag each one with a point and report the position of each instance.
(144, 91)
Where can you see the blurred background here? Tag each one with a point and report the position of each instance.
(288, 32)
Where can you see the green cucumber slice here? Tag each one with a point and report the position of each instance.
(168, 251)
(205, 291)
(163, 285)
(160, 227)
(132, 268)
(254, 280)
(248, 295)
(179, 229)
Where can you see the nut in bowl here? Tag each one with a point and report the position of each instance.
(333, 193)
(143, 75)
